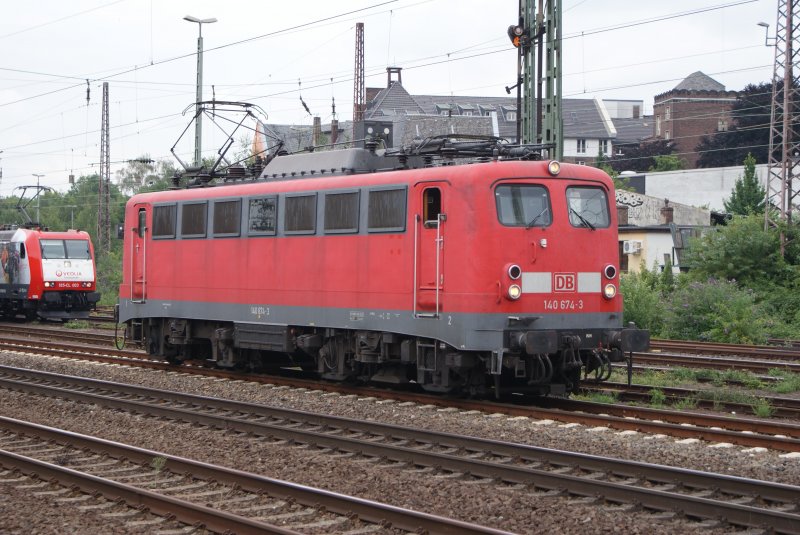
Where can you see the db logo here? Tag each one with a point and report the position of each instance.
(564, 282)
(58, 273)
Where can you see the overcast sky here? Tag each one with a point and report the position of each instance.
(271, 53)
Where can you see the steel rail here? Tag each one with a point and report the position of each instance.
(221, 521)
(520, 474)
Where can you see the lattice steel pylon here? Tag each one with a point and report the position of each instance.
(104, 193)
(540, 54)
(359, 99)
(784, 139)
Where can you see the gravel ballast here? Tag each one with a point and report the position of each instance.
(499, 507)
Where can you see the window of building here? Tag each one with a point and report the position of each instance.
(604, 146)
(511, 115)
(164, 219)
(667, 113)
(386, 210)
(581, 146)
(666, 134)
(262, 216)
(193, 220)
(587, 207)
(301, 214)
(658, 125)
(341, 212)
(722, 125)
(523, 205)
(227, 217)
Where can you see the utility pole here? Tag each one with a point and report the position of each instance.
(104, 193)
(38, 191)
(198, 125)
(359, 100)
(784, 145)
(537, 36)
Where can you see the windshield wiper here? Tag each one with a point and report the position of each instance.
(535, 219)
(583, 219)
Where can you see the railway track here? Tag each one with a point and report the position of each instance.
(782, 407)
(789, 353)
(194, 493)
(683, 424)
(739, 501)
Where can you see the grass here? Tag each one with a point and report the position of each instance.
(762, 408)
(598, 397)
(77, 324)
(787, 382)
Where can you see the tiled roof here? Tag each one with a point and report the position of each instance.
(633, 130)
(698, 81)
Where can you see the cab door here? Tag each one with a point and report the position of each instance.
(429, 222)
(138, 254)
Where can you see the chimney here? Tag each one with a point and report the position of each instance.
(317, 131)
(666, 213)
(334, 131)
(393, 70)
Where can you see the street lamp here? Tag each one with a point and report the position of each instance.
(766, 34)
(38, 191)
(198, 128)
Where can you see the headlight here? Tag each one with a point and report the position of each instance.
(514, 271)
(48, 284)
(554, 167)
(514, 292)
(609, 291)
(610, 271)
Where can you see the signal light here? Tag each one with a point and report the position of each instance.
(517, 35)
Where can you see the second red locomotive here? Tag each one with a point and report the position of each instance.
(496, 276)
(45, 274)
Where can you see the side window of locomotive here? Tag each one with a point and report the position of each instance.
(78, 249)
(53, 249)
(386, 210)
(341, 212)
(227, 217)
(193, 220)
(588, 207)
(523, 205)
(142, 223)
(262, 216)
(431, 207)
(164, 219)
(300, 216)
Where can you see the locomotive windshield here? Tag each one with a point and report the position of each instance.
(523, 206)
(58, 249)
(587, 207)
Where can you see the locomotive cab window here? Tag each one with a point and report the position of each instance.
(142, 222)
(588, 207)
(262, 216)
(523, 205)
(164, 219)
(431, 207)
(227, 217)
(78, 249)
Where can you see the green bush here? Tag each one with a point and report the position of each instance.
(642, 303)
(715, 310)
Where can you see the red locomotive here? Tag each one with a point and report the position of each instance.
(50, 275)
(495, 276)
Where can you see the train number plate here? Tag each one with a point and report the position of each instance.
(563, 304)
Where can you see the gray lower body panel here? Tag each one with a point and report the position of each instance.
(466, 331)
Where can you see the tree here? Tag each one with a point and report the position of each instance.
(641, 157)
(143, 173)
(748, 134)
(667, 162)
(748, 196)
